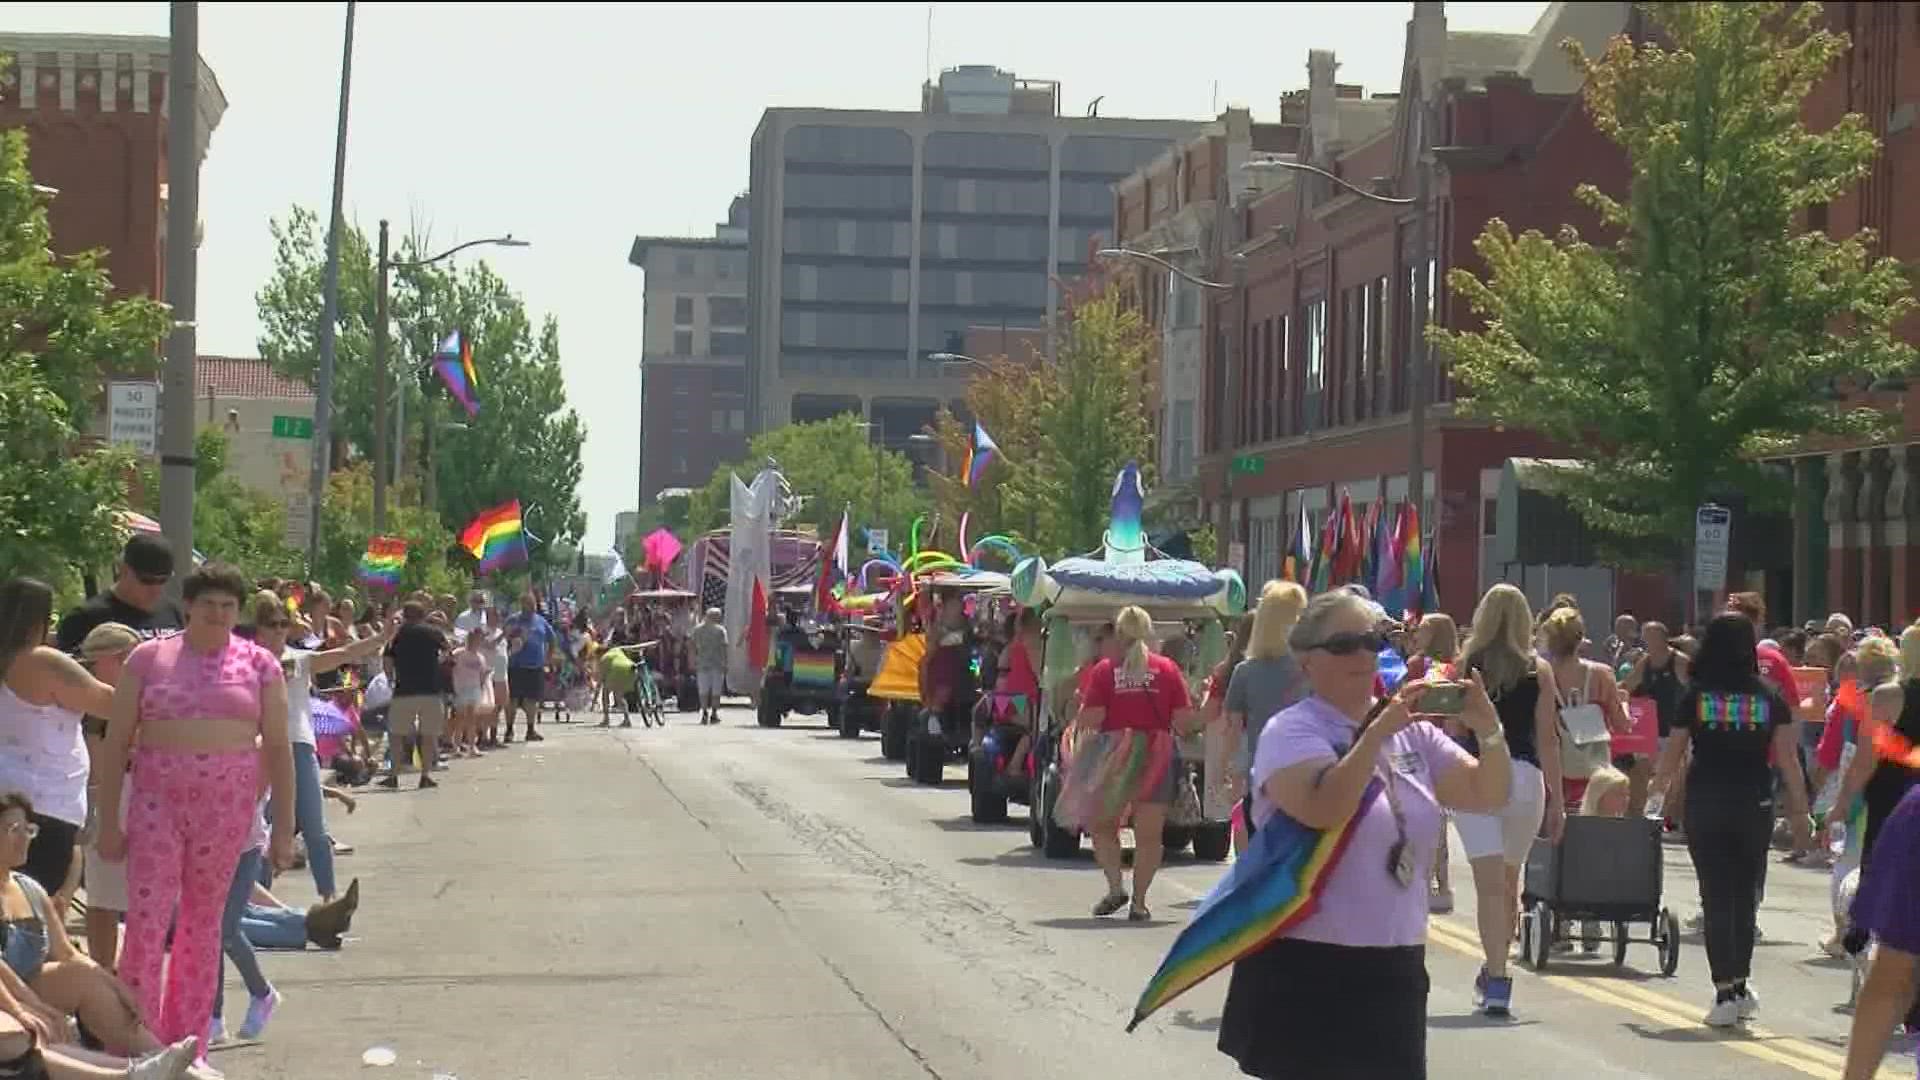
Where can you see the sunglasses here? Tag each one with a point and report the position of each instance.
(1350, 643)
(154, 579)
(276, 624)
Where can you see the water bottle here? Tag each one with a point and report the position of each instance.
(1656, 807)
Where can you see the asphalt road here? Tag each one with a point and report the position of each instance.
(738, 902)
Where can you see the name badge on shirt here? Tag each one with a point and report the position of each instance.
(1407, 762)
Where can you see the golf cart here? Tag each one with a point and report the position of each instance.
(932, 739)
(803, 673)
(1186, 600)
(865, 650)
(675, 676)
(895, 692)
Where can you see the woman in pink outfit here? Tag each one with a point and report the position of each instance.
(209, 710)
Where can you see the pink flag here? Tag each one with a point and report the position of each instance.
(660, 548)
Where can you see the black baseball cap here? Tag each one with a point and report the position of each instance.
(148, 555)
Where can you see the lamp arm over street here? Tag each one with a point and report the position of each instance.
(496, 241)
(1147, 256)
(1338, 181)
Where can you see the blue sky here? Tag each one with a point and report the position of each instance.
(578, 126)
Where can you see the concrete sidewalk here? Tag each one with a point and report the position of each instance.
(554, 911)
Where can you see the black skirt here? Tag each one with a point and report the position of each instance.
(1303, 1010)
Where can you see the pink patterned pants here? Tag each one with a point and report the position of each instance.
(188, 817)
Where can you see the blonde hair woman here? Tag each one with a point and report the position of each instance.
(1436, 641)
(1135, 703)
(1882, 783)
(1267, 681)
(1500, 651)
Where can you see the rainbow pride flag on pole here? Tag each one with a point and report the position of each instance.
(380, 567)
(1266, 892)
(982, 452)
(497, 538)
(454, 361)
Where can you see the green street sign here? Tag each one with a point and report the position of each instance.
(293, 427)
(1249, 464)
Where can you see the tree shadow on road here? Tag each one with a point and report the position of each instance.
(967, 824)
(1026, 858)
(1089, 922)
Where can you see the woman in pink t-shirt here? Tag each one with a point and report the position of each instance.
(1123, 759)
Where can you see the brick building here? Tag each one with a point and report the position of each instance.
(95, 111)
(1307, 362)
(693, 354)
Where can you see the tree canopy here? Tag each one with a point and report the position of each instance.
(60, 332)
(347, 525)
(1708, 333)
(526, 441)
(832, 466)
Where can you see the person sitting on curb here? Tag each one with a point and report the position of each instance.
(269, 923)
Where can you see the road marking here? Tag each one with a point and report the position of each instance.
(1755, 1042)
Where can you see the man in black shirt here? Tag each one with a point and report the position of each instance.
(137, 599)
(418, 712)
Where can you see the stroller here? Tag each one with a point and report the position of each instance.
(1605, 874)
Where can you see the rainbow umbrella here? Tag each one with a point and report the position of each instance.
(1267, 891)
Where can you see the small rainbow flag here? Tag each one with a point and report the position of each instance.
(454, 361)
(982, 452)
(497, 538)
(814, 669)
(1266, 892)
(381, 565)
(1412, 568)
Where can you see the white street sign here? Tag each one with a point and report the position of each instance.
(133, 416)
(876, 540)
(1712, 527)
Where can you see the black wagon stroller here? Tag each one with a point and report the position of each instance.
(1601, 883)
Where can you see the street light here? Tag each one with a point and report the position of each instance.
(1150, 257)
(956, 358)
(1417, 361)
(386, 265)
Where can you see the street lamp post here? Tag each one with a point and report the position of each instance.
(1417, 356)
(386, 266)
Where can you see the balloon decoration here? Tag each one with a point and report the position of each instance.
(925, 561)
(866, 580)
(995, 543)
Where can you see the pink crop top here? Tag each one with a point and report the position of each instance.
(177, 683)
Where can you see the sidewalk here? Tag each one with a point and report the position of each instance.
(554, 911)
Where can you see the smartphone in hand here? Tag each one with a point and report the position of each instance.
(1444, 698)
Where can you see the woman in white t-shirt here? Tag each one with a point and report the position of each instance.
(271, 624)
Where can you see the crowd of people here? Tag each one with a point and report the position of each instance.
(161, 762)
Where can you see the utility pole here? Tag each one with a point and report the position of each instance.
(380, 381)
(183, 213)
(330, 307)
(1417, 366)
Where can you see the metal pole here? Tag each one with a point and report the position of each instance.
(380, 381)
(428, 422)
(183, 212)
(400, 429)
(1417, 360)
(330, 307)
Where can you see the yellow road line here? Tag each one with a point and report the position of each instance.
(1793, 1053)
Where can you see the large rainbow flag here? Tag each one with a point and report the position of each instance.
(497, 538)
(1267, 891)
(979, 454)
(454, 361)
(385, 557)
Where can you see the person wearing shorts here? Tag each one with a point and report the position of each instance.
(418, 712)
(709, 645)
(530, 646)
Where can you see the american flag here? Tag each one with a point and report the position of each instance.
(796, 561)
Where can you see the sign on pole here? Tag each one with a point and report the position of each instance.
(876, 541)
(133, 416)
(293, 427)
(1712, 528)
(1250, 464)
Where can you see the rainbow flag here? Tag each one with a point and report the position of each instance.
(813, 669)
(497, 538)
(454, 361)
(380, 567)
(982, 452)
(1299, 560)
(1412, 569)
(1266, 892)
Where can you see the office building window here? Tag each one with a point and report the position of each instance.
(686, 265)
(1314, 333)
(728, 343)
(1377, 403)
(683, 343)
(683, 311)
(729, 380)
(738, 420)
(727, 310)
(719, 421)
(679, 464)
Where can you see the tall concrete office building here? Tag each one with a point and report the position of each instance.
(881, 237)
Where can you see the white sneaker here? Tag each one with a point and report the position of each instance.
(216, 1031)
(1749, 1003)
(169, 1063)
(1724, 1014)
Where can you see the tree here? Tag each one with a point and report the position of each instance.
(1674, 361)
(234, 523)
(832, 466)
(60, 330)
(1064, 429)
(524, 444)
(348, 523)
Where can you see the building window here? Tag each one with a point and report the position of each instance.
(738, 419)
(679, 464)
(729, 343)
(727, 310)
(686, 265)
(1315, 344)
(1376, 347)
(1282, 373)
(683, 311)
(683, 343)
(1489, 516)
(729, 380)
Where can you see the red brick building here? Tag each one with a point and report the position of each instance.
(1307, 364)
(95, 111)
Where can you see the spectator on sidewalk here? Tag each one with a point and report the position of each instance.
(269, 923)
(417, 715)
(531, 645)
(104, 651)
(709, 641)
(137, 598)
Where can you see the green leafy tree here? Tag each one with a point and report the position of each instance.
(832, 466)
(60, 330)
(235, 523)
(1064, 429)
(434, 562)
(1676, 359)
(525, 443)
